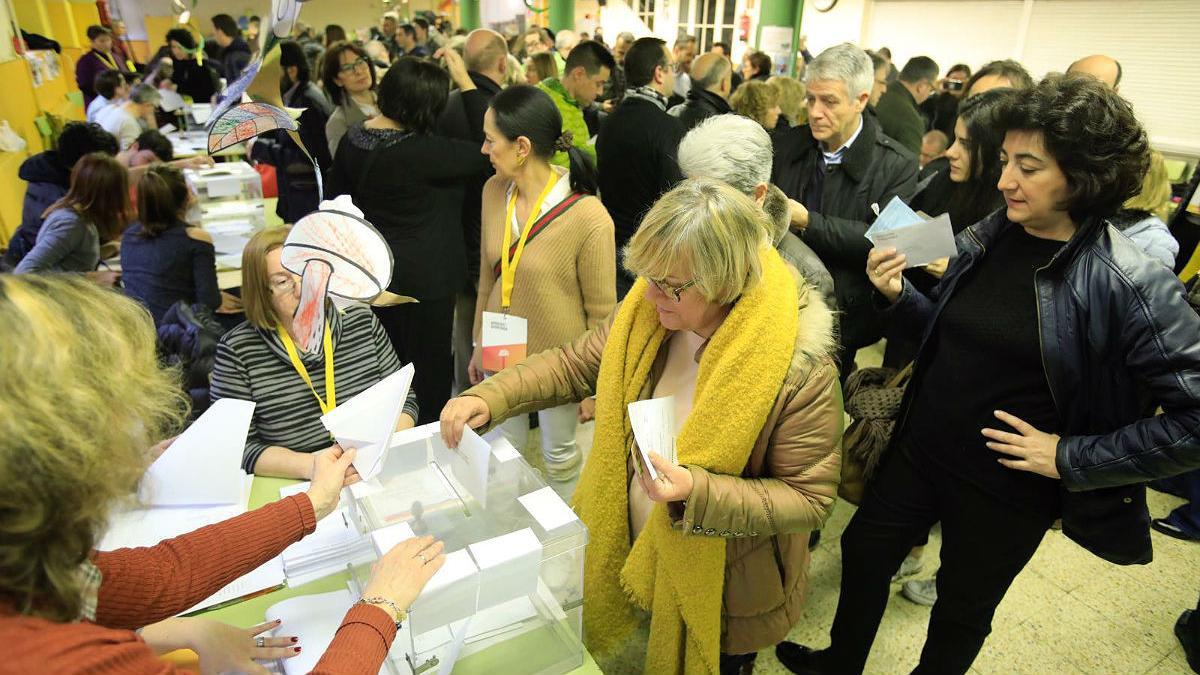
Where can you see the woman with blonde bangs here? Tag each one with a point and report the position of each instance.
(759, 101)
(720, 323)
(792, 112)
(84, 400)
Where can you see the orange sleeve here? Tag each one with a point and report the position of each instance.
(144, 585)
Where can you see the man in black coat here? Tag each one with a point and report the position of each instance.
(637, 145)
(486, 56)
(712, 82)
(834, 169)
(899, 108)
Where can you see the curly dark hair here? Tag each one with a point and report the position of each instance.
(1094, 136)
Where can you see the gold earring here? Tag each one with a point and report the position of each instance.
(521, 160)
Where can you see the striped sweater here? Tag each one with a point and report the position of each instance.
(252, 364)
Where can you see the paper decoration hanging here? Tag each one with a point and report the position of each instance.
(235, 120)
(245, 121)
(337, 253)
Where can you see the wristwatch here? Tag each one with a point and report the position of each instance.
(398, 615)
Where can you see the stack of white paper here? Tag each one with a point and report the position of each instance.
(335, 543)
(367, 421)
(922, 240)
(654, 429)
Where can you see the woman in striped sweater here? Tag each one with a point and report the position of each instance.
(254, 363)
(545, 220)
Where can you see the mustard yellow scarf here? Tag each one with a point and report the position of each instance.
(677, 577)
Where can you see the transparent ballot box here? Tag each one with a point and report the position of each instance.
(509, 597)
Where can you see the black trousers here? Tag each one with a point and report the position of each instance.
(985, 544)
(420, 333)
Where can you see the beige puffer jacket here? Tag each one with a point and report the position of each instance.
(787, 489)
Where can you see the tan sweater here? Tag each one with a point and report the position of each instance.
(566, 280)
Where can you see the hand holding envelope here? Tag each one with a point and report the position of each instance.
(920, 240)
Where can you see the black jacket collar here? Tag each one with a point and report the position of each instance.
(484, 82)
(857, 160)
(703, 97)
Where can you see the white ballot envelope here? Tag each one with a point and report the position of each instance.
(653, 422)
(367, 421)
(922, 240)
(204, 464)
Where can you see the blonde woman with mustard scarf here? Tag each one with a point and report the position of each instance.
(699, 569)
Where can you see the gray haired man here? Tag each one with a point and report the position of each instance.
(833, 169)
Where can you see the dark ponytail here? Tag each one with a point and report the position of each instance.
(522, 110)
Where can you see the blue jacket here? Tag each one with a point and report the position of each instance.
(1118, 339)
(47, 182)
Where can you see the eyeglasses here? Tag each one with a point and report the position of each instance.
(668, 290)
(283, 285)
(352, 66)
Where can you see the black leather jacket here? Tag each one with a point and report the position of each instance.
(1118, 339)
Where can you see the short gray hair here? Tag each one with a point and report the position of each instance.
(718, 72)
(144, 93)
(845, 63)
(729, 148)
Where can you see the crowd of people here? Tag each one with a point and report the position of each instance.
(657, 222)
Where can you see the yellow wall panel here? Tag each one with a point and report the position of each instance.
(62, 22)
(84, 15)
(32, 16)
(19, 107)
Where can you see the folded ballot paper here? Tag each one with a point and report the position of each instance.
(367, 421)
(922, 240)
(654, 429)
(197, 481)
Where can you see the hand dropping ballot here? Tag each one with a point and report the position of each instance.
(654, 429)
(922, 240)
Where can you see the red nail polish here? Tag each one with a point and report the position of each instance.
(297, 650)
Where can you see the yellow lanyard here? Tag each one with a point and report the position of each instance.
(107, 60)
(508, 269)
(327, 344)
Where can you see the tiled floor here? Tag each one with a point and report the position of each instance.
(1068, 611)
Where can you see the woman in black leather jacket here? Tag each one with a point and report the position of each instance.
(1045, 350)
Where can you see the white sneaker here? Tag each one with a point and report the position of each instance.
(909, 568)
(922, 591)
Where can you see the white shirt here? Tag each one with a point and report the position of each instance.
(560, 191)
(683, 84)
(835, 157)
(97, 105)
(118, 122)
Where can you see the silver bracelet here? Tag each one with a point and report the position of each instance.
(377, 600)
